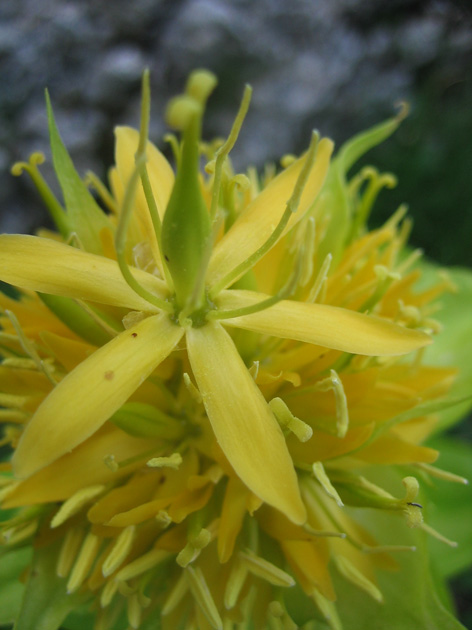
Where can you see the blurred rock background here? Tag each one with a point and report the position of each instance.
(336, 65)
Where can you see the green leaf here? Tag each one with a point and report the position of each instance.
(450, 510)
(413, 596)
(453, 346)
(84, 216)
(11, 589)
(45, 602)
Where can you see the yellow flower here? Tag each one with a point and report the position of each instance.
(207, 373)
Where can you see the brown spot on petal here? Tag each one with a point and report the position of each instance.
(134, 334)
(109, 375)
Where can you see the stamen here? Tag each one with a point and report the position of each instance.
(442, 474)
(266, 570)
(192, 390)
(203, 597)
(142, 564)
(173, 461)
(120, 550)
(104, 194)
(176, 595)
(234, 584)
(287, 420)
(56, 210)
(351, 573)
(75, 503)
(320, 474)
(70, 547)
(292, 207)
(432, 532)
(334, 383)
(224, 150)
(29, 348)
(13, 401)
(327, 609)
(84, 562)
(192, 549)
(108, 592)
(18, 533)
(134, 611)
(120, 242)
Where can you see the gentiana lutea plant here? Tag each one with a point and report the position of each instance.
(213, 387)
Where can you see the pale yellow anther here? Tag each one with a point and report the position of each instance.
(108, 592)
(320, 474)
(383, 273)
(163, 518)
(28, 346)
(234, 584)
(142, 564)
(200, 85)
(173, 461)
(352, 573)
(111, 463)
(120, 550)
(69, 549)
(442, 474)
(13, 401)
(334, 383)
(432, 532)
(287, 159)
(203, 597)
(254, 369)
(176, 595)
(13, 415)
(84, 562)
(327, 609)
(75, 503)
(192, 549)
(287, 420)
(134, 611)
(192, 390)
(132, 318)
(181, 110)
(18, 533)
(266, 570)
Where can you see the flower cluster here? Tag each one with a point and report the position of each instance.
(209, 383)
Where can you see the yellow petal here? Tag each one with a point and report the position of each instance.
(161, 178)
(243, 424)
(259, 220)
(81, 468)
(329, 326)
(90, 394)
(44, 265)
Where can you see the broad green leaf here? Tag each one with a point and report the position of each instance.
(450, 509)
(453, 346)
(11, 589)
(84, 216)
(45, 602)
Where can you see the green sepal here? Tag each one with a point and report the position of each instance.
(12, 564)
(46, 602)
(145, 421)
(186, 228)
(75, 318)
(84, 216)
